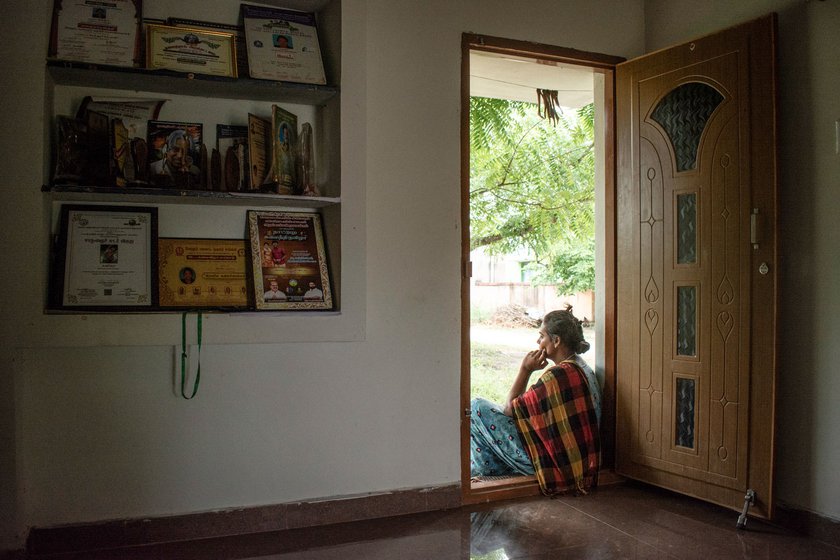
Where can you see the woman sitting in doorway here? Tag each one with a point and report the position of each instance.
(550, 429)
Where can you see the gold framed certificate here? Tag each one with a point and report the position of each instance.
(191, 50)
(96, 32)
(202, 273)
(106, 258)
(289, 261)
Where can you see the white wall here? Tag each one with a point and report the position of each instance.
(94, 433)
(808, 449)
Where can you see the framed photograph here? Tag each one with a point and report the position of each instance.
(283, 147)
(202, 273)
(283, 45)
(191, 50)
(106, 258)
(175, 154)
(288, 260)
(96, 32)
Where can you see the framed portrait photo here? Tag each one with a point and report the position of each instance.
(105, 259)
(289, 261)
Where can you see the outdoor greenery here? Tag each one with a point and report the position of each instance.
(532, 187)
(492, 372)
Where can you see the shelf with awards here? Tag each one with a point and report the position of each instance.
(208, 119)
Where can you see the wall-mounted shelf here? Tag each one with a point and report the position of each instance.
(165, 81)
(72, 193)
(203, 214)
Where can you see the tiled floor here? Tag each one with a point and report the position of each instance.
(622, 521)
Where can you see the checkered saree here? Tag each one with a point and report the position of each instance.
(558, 423)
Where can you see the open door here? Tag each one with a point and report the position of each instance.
(696, 266)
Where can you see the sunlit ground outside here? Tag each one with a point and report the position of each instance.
(495, 555)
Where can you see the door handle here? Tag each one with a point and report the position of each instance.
(755, 228)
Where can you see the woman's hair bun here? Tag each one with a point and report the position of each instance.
(583, 347)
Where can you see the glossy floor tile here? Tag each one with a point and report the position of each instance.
(622, 521)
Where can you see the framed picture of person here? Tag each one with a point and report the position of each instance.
(175, 154)
(289, 262)
(105, 259)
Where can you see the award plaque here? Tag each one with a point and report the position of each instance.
(288, 260)
(283, 146)
(259, 151)
(96, 32)
(231, 140)
(106, 258)
(191, 50)
(283, 45)
(202, 273)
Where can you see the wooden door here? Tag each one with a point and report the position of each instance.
(696, 266)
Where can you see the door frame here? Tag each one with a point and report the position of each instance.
(605, 65)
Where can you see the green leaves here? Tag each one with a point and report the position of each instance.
(532, 187)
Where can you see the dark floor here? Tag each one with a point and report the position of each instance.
(621, 521)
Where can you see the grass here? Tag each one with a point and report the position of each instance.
(492, 371)
(495, 555)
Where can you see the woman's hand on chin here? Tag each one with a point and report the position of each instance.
(534, 360)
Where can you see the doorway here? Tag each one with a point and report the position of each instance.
(500, 71)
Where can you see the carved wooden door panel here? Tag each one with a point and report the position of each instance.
(696, 283)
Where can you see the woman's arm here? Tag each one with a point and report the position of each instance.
(533, 360)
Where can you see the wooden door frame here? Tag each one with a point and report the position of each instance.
(605, 65)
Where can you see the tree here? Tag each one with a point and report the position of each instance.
(532, 187)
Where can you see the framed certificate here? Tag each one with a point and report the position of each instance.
(237, 30)
(96, 32)
(106, 258)
(288, 260)
(191, 50)
(202, 273)
(283, 45)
